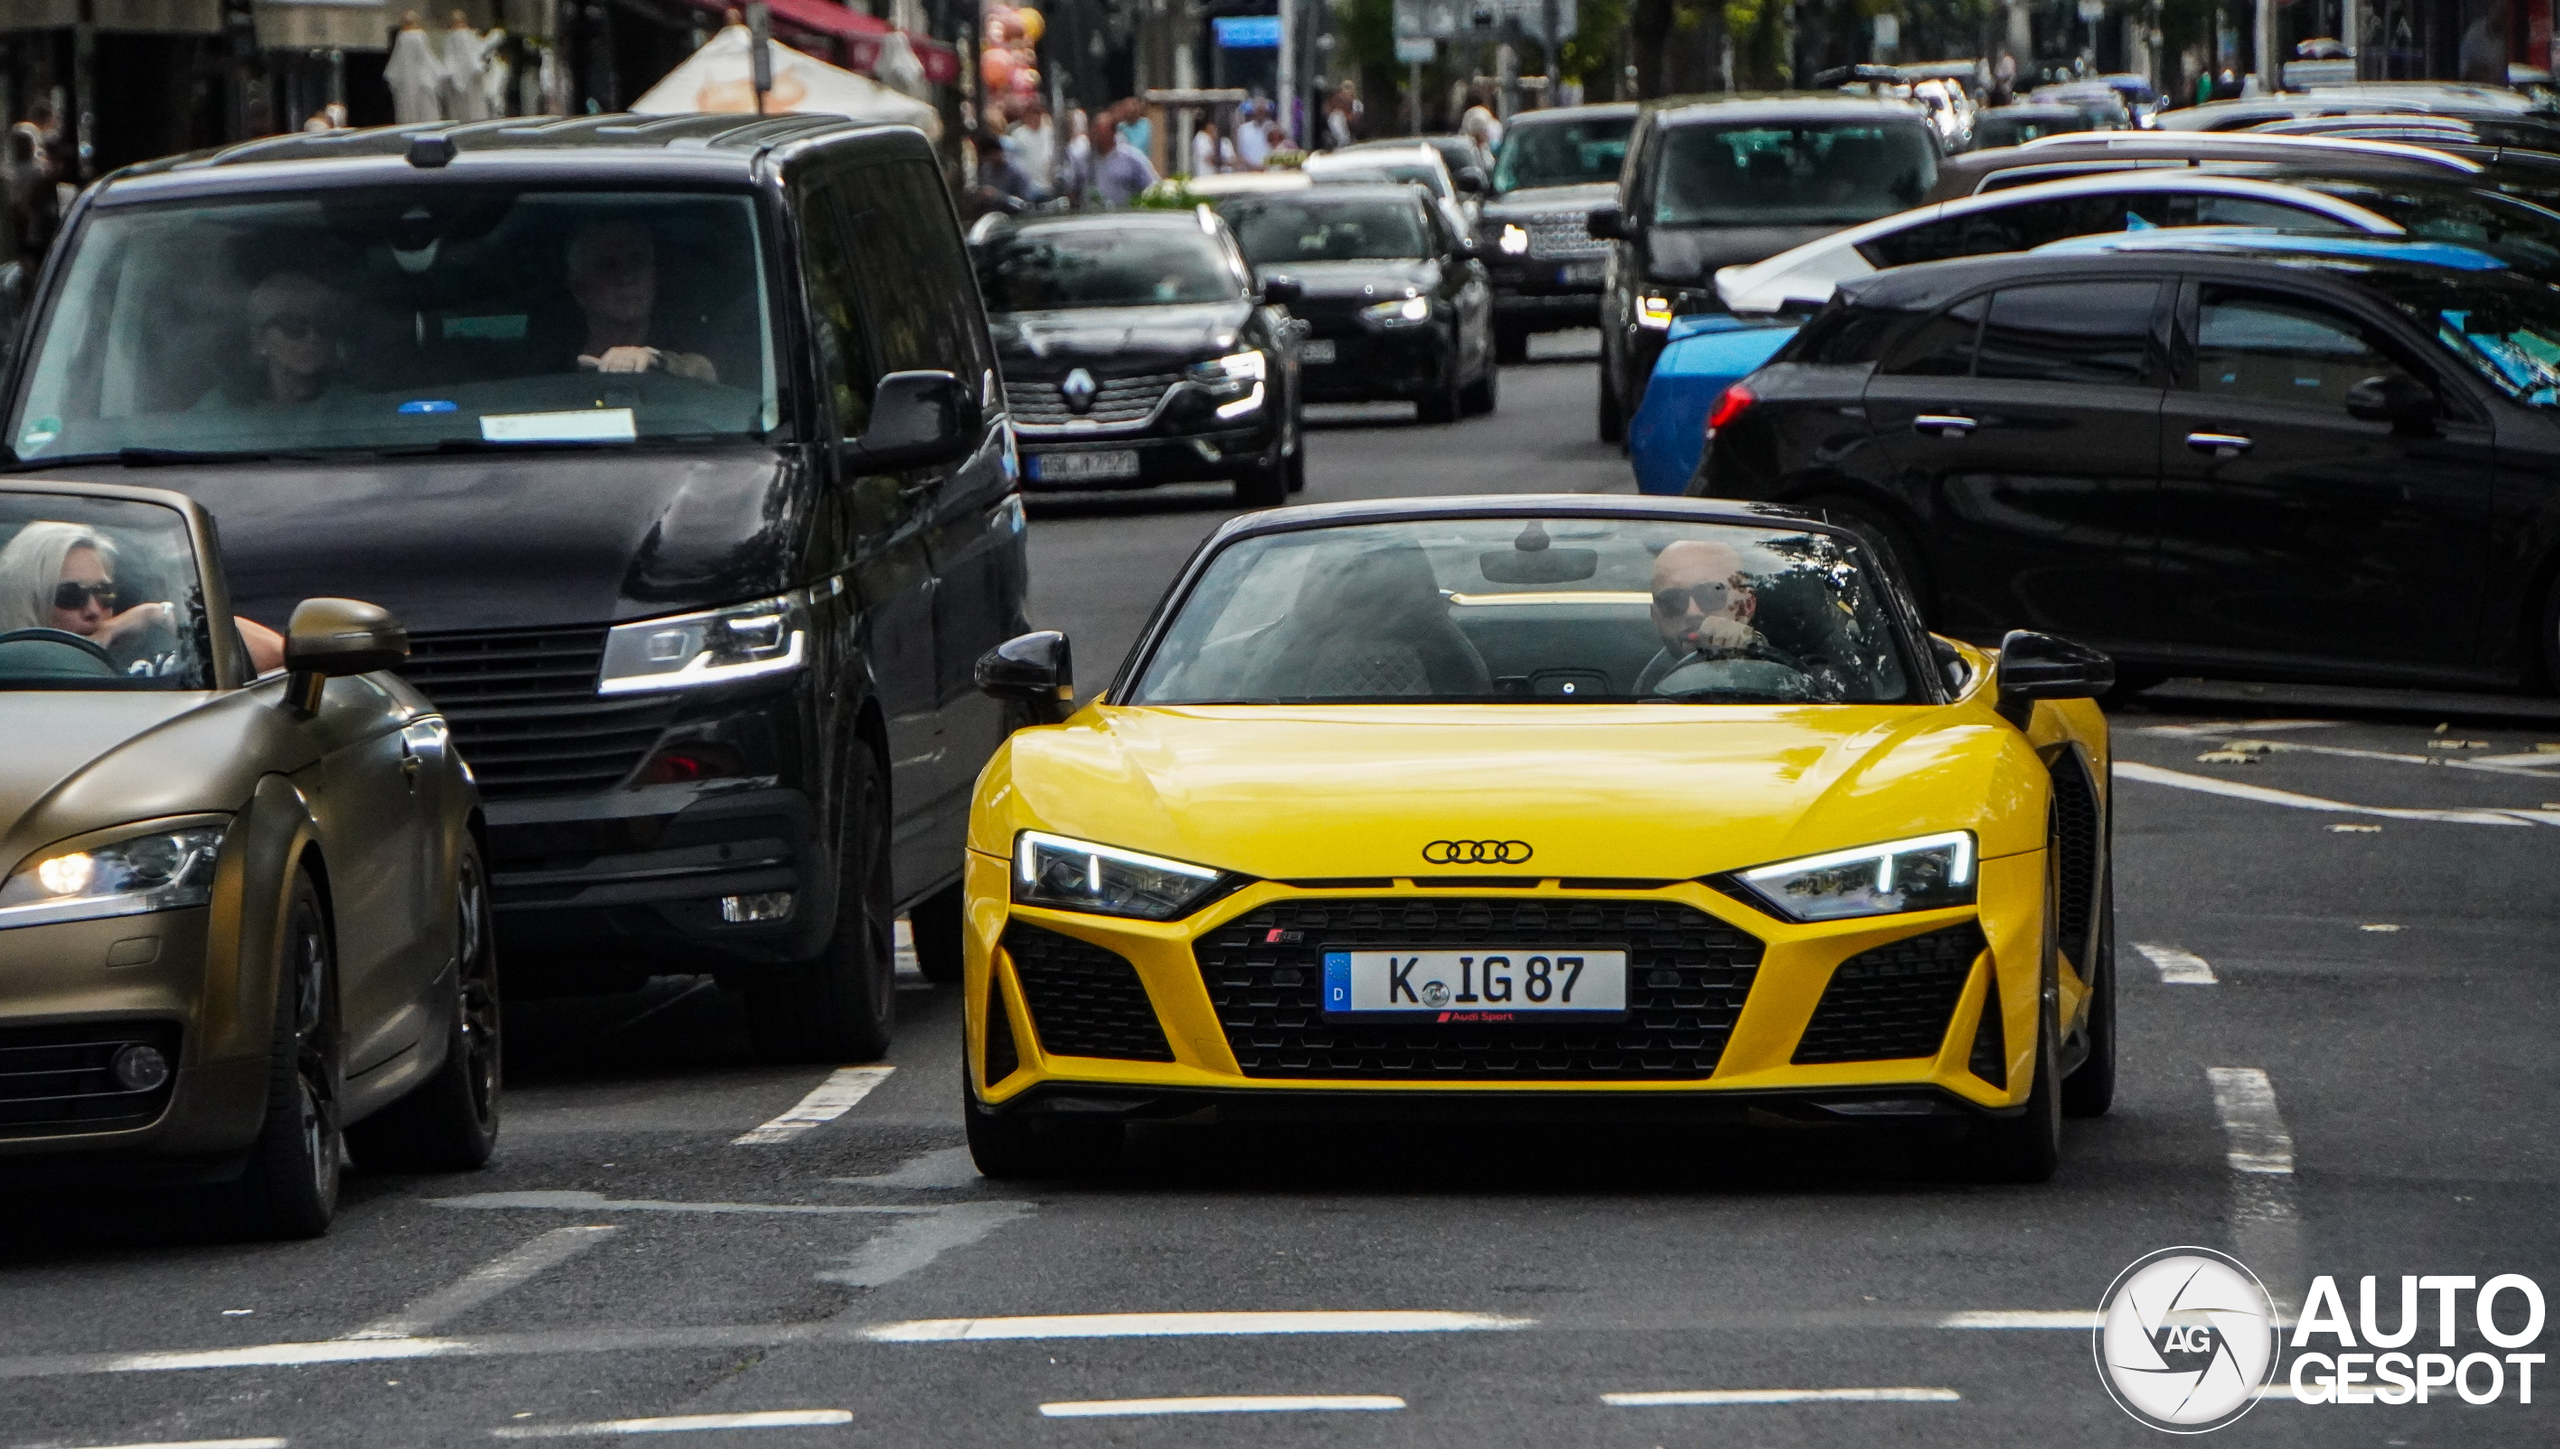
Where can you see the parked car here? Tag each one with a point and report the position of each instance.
(244, 920)
(2362, 98)
(1457, 152)
(2106, 108)
(2465, 135)
(2018, 124)
(1413, 165)
(1707, 186)
(1393, 299)
(1707, 354)
(1137, 350)
(2233, 454)
(1547, 269)
(679, 446)
(2526, 175)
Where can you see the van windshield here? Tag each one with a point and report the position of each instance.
(1785, 173)
(1577, 152)
(392, 319)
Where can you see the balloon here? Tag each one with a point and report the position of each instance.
(1026, 80)
(996, 66)
(999, 26)
(1029, 22)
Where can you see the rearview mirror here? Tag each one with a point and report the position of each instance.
(2042, 666)
(2407, 404)
(919, 417)
(1033, 669)
(1281, 291)
(331, 637)
(1607, 222)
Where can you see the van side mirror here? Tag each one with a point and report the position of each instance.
(1607, 222)
(920, 417)
(1035, 669)
(1469, 180)
(2407, 404)
(2042, 666)
(1281, 291)
(331, 637)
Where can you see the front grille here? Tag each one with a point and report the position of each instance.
(1687, 975)
(525, 712)
(61, 1079)
(1038, 402)
(1892, 1001)
(1085, 1001)
(2075, 839)
(1564, 236)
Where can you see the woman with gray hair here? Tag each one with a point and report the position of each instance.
(62, 576)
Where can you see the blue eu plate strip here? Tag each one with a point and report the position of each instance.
(1337, 981)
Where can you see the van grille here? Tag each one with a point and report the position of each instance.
(61, 1079)
(525, 712)
(1564, 236)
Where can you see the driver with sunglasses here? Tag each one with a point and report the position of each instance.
(61, 577)
(1702, 608)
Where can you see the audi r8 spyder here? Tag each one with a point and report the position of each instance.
(1541, 805)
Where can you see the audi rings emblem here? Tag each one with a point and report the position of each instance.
(1477, 852)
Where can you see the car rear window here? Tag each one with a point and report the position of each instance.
(1277, 230)
(1804, 173)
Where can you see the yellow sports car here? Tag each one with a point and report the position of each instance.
(1540, 804)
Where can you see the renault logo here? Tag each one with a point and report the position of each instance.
(1477, 852)
(1078, 390)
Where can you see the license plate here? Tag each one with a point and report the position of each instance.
(1080, 467)
(1497, 984)
(1580, 272)
(1316, 349)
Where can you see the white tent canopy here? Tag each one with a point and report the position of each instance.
(719, 77)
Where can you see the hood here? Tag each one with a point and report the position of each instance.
(1363, 280)
(1642, 791)
(1127, 339)
(1540, 200)
(1689, 255)
(493, 541)
(52, 734)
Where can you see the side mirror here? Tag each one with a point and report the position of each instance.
(2407, 404)
(1034, 669)
(2042, 666)
(1607, 222)
(919, 417)
(1281, 291)
(332, 637)
(1469, 180)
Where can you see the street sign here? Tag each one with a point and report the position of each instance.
(1416, 49)
(1478, 19)
(1247, 32)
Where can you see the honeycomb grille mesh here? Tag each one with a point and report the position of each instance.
(1085, 1001)
(1892, 1001)
(2075, 837)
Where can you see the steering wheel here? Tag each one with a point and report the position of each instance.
(1765, 675)
(64, 638)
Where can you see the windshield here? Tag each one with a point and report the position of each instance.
(404, 318)
(98, 594)
(1562, 153)
(1553, 611)
(1276, 230)
(1813, 174)
(2518, 232)
(1065, 267)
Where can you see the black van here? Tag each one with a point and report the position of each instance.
(1731, 182)
(679, 446)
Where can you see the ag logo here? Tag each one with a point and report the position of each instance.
(1477, 852)
(1435, 993)
(1078, 390)
(2186, 1337)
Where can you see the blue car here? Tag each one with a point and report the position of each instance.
(1706, 354)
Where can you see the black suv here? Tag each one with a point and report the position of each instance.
(1546, 267)
(678, 444)
(1734, 182)
(2307, 458)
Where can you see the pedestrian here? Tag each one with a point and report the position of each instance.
(35, 208)
(1479, 126)
(1211, 154)
(1253, 136)
(414, 75)
(1342, 116)
(1035, 143)
(458, 90)
(1115, 171)
(1135, 128)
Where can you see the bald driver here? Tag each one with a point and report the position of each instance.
(1702, 608)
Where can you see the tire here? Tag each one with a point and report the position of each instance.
(1263, 485)
(1510, 346)
(2091, 1088)
(2028, 1147)
(449, 1122)
(1886, 537)
(935, 925)
(1444, 403)
(1011, 1148)
(1613, 420)
(841, 1005)
(1481, 396)
(290, 1187)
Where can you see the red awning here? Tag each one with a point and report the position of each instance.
(860, 33)
(824, 17)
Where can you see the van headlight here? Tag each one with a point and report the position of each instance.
(1079, 875)
(1398, 314)
(1653, 312)
(1925, 873)
(1515, 239)
(715, 646)
(158, 868)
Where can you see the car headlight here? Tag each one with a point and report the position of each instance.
(1233, 372)
(1399, 314)
(1515, 239)
(1078, 875)
(156, 870)
(1926, 873)
(716, 646)
(1653, 312)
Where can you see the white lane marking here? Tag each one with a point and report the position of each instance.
(1221, 1404)
(2247, 1100)
(915, 1242)
(826, 1102)
(1188, 1325)
(197, 1444)
(2534, 760)
(596, 1202)
(2079, 1318)
(1678, 1398)
(947, 1168)
(281, 1355)
(679, 1424)
(2178, 968)
(486, 1282)
(2217, 728)
(2441, 762)
(2154, 775)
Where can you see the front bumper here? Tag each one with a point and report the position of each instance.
(1165, 1019)
(1373, 364)
(1545, 296)
(1188, 458)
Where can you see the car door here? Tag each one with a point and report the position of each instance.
(2023, 429)
(2291, 529)
(380, 852)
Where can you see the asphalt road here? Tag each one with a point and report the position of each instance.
(2351, 902)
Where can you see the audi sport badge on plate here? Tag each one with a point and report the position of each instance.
(1078, 467)
(1316, 349)
(1494, 985)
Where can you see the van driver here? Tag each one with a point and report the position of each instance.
(613, 277)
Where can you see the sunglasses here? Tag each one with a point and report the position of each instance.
(73, 596)
(1710, 599)
(296, 329)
